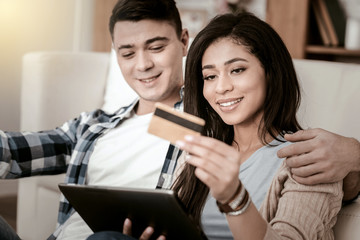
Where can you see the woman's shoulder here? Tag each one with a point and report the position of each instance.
(270, 150)
(319, 204)
(287, 183)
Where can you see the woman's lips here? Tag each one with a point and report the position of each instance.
(228, 103)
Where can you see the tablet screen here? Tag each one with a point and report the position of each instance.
(105, 209)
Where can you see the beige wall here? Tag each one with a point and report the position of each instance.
(37, 25)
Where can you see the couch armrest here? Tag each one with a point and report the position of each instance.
(56, 87)
(38, 205)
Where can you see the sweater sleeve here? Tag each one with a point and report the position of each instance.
(296, 211)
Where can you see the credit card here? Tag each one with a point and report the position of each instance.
(173, 125)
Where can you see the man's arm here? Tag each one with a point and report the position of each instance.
(319, 156)
(351, 186)
(24, 154)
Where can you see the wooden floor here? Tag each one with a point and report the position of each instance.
(8, 209)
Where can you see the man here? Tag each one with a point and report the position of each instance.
(96, 148)
(319, 156)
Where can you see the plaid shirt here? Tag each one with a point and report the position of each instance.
(67, 149)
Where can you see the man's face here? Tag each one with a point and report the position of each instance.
(150, 56)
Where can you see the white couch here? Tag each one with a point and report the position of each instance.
(58, 86)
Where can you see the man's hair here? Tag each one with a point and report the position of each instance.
(136, 10)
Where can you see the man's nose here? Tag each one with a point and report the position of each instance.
(144, 62)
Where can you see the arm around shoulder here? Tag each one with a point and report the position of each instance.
(319, 156)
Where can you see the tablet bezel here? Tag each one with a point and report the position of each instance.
(161, 209)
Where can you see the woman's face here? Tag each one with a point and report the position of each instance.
(234, 82)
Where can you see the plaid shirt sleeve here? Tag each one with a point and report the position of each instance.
(24, 154)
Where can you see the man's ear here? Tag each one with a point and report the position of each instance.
(185, 41)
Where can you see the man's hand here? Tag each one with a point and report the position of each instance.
(319, 156)
(144, 236)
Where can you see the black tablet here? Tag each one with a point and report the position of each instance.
(105, 209)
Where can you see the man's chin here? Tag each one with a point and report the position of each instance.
(154, 99)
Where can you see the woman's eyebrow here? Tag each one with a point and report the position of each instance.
(235, 60)
(210, 66)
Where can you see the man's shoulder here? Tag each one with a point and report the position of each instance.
(102, 116)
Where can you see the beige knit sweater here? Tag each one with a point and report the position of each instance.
(296, 211)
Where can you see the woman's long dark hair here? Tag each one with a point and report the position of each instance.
(282, 92)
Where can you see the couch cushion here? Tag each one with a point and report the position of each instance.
(117, 93)
(330, 96)
(42, 97)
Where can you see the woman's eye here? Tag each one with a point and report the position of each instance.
(209, 77)
(238, 70)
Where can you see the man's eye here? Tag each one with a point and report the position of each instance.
(209, 77)
(127, 55)
(156, 48)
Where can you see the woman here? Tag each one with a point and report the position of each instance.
(241, 80)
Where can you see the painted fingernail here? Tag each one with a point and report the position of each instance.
(189, 137)
(180, 144)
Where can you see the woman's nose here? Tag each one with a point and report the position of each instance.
(224, 84)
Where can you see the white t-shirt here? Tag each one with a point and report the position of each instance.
(125, 156)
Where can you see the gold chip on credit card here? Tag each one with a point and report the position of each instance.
(173, 125)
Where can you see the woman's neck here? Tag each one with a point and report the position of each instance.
(247, 140)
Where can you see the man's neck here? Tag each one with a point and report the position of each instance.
(145, 107)
(148, 106)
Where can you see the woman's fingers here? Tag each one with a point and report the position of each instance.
(210, 173)
(214, 165)
(212, 144)
(217, 164)
(208, 148)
